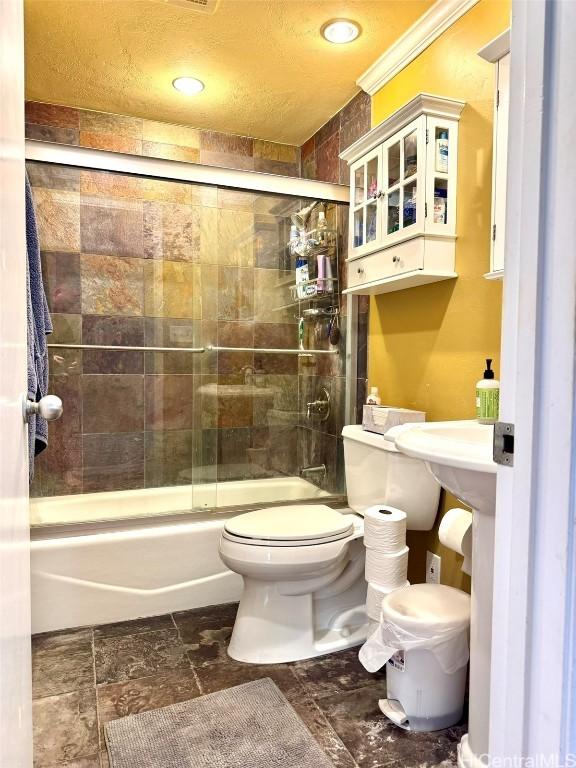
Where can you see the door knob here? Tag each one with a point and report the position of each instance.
(49, 407)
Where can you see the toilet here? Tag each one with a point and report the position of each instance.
(303, 565)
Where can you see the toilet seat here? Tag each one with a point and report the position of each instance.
(289, 526)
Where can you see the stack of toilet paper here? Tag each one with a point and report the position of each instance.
(386, 555)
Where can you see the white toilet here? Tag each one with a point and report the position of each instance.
(303, 565)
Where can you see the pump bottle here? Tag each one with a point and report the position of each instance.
(487, 396)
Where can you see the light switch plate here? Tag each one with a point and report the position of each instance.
(433, 566)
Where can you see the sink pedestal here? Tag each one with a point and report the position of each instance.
(478, 490)
(459, 455)
(473, 749)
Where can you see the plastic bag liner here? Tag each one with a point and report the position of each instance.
(448, 644)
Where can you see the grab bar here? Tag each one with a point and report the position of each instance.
(269, 351)
(195, 350)
(118, 348)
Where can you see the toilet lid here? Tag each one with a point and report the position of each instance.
(291, 523)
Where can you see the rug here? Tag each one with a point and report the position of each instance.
(249, 726)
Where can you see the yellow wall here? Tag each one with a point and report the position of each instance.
(427, 345)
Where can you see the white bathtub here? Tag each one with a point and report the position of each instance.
(141, 558)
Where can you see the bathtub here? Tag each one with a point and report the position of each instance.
(112, 556)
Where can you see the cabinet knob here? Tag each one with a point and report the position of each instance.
(380, 194)
(360, 270)
(395, 259)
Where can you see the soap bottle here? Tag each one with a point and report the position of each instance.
(302, 277)
(442, 152)
(373, 398)
(487, 396)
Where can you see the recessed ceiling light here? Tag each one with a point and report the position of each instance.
(188, 85)
(340, 31)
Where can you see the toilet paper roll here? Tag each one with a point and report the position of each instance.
(385, 528)
(374, 597)
(455, 532)
(386, 570)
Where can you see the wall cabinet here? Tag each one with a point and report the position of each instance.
(498, 53)
(403, 187)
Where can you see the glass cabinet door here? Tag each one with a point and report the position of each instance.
(365, 201)
(441, 176)
(404, 160)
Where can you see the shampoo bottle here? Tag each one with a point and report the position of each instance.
(487, 396)
(302, 277)
(442, 152)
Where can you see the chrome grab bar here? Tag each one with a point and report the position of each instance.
(119, 348)
(269, 351)
(196, 350)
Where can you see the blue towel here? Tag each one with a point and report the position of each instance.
(39, 324)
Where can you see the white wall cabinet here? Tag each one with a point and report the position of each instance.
(498, 53)
(403, 187)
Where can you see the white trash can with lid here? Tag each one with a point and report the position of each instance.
(423, 641)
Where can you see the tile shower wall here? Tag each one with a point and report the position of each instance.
(320, 160)
(135, 136)
(119, 256)
(140, 262)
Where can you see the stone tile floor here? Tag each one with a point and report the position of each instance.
(84, 678)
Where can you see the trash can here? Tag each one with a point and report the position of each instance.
(423, 641)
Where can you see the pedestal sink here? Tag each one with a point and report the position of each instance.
(459, 455)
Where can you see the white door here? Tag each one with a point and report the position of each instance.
(533, 678)
(15, 686)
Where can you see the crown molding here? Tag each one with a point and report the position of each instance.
(416, 39)
(424, 103)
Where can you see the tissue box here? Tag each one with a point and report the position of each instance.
(381, 418)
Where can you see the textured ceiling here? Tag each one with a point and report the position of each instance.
(268, 72)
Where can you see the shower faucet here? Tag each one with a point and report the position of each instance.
(319, 409)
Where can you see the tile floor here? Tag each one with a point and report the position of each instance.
(84, 678)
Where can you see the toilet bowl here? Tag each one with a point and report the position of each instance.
(303, 565)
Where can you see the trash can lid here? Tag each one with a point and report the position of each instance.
(427, 605)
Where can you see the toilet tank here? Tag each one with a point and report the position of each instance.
(378, 473)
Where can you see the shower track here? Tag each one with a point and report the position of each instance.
(198, 350)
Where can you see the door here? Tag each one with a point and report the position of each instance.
(365, 205)
(403, 164)
(15, 686)
(533, 696)
(499, 163)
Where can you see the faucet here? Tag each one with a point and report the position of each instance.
(312, 471)
(319, 409)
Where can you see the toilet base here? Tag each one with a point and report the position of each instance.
(273, 628)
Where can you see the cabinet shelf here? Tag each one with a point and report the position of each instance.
(404, 234)
(410, 279)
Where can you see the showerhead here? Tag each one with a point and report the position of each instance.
(300, 218)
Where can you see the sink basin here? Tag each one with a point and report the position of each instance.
(459, 455)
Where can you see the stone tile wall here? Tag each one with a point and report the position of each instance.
(134, 261)
(319, 155)
(141, 262)
(320, 160)
(135, 136)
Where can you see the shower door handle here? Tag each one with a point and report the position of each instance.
(49, 407)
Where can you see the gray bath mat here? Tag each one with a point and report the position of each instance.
(249, 726)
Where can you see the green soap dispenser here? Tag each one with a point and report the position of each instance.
(488, 396)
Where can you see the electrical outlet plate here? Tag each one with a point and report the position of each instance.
(433, 566)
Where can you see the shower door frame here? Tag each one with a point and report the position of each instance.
(87, 158)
